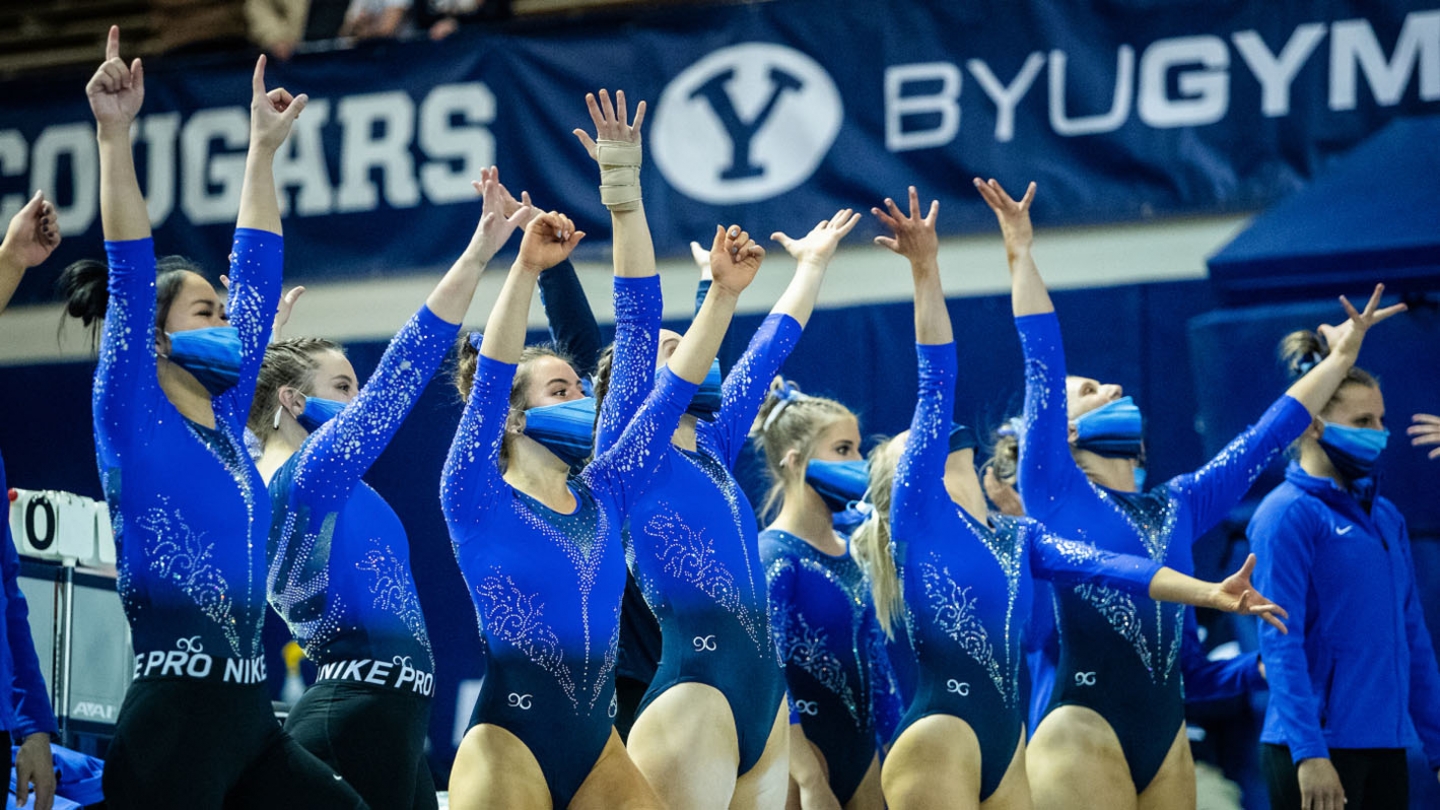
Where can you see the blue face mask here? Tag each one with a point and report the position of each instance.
(839, 483)
(1112, 430)
(211, 354)
(706, 402)
(962, 437)
(847, 521)
(566, 429)
(1353, 450)
(318, 411)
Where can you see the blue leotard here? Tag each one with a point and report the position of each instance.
(837, 673)
(967, 585)
(1119, 653)
(696, 554)
(339, 556)
(547, 586)
(28, 709)
(188, 507)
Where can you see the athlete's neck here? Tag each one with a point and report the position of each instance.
(278, 450)
(185, 392)
(539, 473)
(963, 486)
(1112, 473)
(805, 515)
(684, 436)
(1314, 461)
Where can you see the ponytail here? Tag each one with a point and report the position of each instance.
(872, 546)
(790, 420)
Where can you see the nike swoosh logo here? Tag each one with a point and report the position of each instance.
(1345, 530)
(338, 777)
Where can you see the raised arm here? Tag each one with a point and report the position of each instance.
(1315, 389)
(29, 240)
(1028, 295)
(549, 239)
(734, 261)
(271, 116)
(920, 474)
(812, 254)
(126, 390)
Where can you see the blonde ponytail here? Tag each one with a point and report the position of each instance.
(871, 543)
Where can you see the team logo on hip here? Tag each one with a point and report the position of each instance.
(955, 687)
(519, 701)
(746, 123)
(704, 644)
(807, 707)
(1084, 679)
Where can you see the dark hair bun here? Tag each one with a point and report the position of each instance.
(83, 285)
(1301, 351)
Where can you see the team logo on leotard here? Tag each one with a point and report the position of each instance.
(955, 687)
(519, 701)
(614, 707)
(807, 707)
(704, 644)
(746, 123)
(1084, 679)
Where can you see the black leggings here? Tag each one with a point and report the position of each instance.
(205, 745)
(374, 736)
(1373, 778)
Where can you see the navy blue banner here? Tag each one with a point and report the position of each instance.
(772, 115)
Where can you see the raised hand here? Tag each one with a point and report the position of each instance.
(549, 240)
(1235, 594)
(1345, 338)
(282, 312)
(818, 245)
(1014, 216)
(610, 123)
(1426, 430)
(508, 204)
(116, 91)
(734, 259)
(914, 236)
(32, 236)
(271, 113)
(495, 226)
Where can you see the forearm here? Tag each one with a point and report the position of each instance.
(1315, 389)
(505, 331)
(798, 300)
(691, 360)
(1028, 295)
(259, 207)
(1169, 585)
(634, 249)
(932, 319)
(122, 207)
(10, 274)
(451, 298)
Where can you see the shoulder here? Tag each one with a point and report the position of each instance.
(1286, 504)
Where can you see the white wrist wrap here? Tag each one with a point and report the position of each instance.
(619, 174)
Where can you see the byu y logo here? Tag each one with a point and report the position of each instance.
(746, 123)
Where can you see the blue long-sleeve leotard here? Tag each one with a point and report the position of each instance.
(547, 586)
(838, 678)
(339, 557)
(187, 505)
(695, 549)
(968, 585)
(28, 709)
(1120, 653)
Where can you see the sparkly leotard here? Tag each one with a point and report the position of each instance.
(547, 586)
(837, 673)
(696, 555)
(967, 585)
(1119, 652)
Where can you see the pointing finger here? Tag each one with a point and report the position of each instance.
(112, 43)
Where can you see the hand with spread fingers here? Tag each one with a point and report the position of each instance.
(1235, 594)
(817, 246)
(1014, 216)
(498, 220)
(1345, 338)
(1425, 431)
(912, 236)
